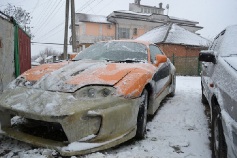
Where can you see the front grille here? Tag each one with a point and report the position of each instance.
(42, 129)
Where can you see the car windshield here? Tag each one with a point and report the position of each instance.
(229, 42)
(117, 51)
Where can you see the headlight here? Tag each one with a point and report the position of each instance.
(91, 93)
(95, 92)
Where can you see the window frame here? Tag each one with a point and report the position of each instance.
(124, 33)
(153, 54)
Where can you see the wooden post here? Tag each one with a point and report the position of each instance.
(66, 30)
(74, 47)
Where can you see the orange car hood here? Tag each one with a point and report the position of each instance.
(70, 76)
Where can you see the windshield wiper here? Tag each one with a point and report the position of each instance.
(129, 61)
(108, 60)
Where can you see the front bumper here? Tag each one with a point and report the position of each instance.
(70, 149)
(230, 132)
(112, 120)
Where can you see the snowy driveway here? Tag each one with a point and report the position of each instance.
(178, 130)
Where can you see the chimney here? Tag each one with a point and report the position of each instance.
(160, 4)
(137, 2)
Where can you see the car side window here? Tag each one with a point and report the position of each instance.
(217, 41)
(154, 50)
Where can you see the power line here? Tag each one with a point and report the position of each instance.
(88, 3)
(50, 16)
(49, 32)
(85, 5)
(110, 1)
(48, 43)
(96, 5)
(44, 14)
(35, 6)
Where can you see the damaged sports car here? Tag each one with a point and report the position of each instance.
(95, 101)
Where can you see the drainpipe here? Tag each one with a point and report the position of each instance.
(116, 29)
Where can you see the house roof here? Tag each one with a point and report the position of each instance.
(81, 17)
(174, 34)
(182, 19)
(39, 59)
(149, 16)
(131, 12)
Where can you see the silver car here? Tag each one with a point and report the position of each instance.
(219, 90)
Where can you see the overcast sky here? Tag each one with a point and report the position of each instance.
(48, 15)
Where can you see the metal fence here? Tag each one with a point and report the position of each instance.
(186, 65)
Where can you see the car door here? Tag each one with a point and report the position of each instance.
(162, 74)
(208, 67)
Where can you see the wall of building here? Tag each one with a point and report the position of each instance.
(180, 50)
(88, 33)
(184, 58)
(7, 71)
(141, 26)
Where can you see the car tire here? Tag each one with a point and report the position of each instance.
(173, 85)
(142, 116)
(204, 99)
(219, 149)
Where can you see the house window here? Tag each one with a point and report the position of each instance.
(109, 26)
(124, 33)
(135, 31)
(145, 10)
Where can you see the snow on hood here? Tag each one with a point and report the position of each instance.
(37, 103)
(70, 76)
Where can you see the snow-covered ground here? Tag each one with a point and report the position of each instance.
(178, 130)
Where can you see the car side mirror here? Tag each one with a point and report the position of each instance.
(72, 55)
(160, 59)
(207, 56)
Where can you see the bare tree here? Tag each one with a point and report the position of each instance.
(22, 17)
(48, 51)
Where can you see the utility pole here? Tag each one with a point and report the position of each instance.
(66, 30)
(74, 47)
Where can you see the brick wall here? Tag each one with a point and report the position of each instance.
(180, 50)
(184, 58)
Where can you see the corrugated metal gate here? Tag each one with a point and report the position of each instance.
(24, 51)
